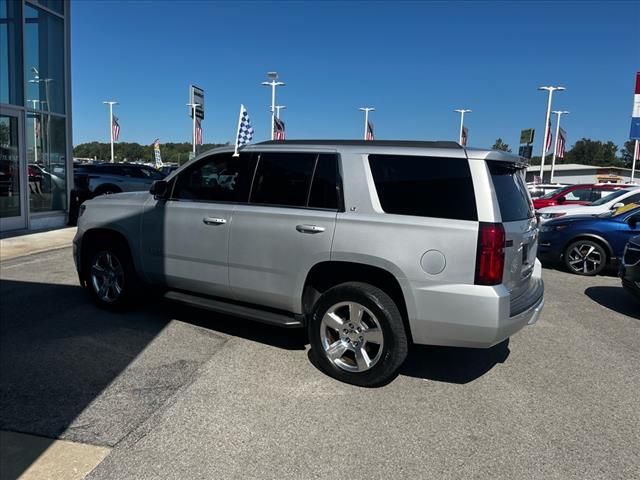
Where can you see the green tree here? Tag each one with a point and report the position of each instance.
(592, 152)
(500, 145)
(626, 153)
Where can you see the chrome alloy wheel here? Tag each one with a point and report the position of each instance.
(351, 337)
(585, 258)
(107, 277)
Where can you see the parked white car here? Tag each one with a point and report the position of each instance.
(616, 199)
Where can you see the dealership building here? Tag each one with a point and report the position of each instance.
(36, 158)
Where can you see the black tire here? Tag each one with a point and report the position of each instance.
(585, 257)
(390, 354)
(128, 281)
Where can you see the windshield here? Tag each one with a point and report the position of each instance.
(553, 193)
(609, 197)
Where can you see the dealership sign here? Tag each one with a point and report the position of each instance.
(196, 95)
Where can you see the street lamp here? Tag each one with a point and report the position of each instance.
(462, 111)
(278, 108)
(549, 89)
(111, 104)
(555, 147)
(273, 76)
(366, 111)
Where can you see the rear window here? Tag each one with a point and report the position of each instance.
(511, 192)
(424, 186)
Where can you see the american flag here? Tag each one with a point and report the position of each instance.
(198, 132)
(369, 130)
(245, 130)
(547, 145)
(636, 152)
(562, 138)
(115, 127)
(278, 129)
(465, 136)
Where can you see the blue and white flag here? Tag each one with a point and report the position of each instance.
(245, 130)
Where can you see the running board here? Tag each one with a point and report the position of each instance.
(271, 318)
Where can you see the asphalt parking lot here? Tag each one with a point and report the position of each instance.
(180, 393)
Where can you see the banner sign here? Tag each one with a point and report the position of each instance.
(196, 95)
(634, 134)
(526, 136)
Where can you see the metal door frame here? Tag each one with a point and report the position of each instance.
(20, 222)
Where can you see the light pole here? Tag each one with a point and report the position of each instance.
(366, 111)
(111, 104)
(38, 80)
(273, 76)
(549, 89)
(35, 131)
(462, 111)
(278, 108)
(555, 146)
(193, 132)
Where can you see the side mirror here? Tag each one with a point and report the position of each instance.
(562, 199)
(616, 206)
(159, 189)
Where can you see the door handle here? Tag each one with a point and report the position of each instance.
(214, 221)
(309, 228)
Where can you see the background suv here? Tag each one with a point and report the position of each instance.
(107, 178)
(370, 245)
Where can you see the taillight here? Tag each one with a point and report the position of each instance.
(490, 254)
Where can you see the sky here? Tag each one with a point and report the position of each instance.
(415, 62)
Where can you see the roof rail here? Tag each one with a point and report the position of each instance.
(368, 143)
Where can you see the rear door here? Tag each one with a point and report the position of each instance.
(520, 225)
(286, 228)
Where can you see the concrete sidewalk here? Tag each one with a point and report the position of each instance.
(30, 243)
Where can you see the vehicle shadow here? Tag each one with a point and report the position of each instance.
(453, 365)
(615, 299)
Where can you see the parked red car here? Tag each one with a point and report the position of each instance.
(576, 194)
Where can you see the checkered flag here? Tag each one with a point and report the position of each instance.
(245, 130)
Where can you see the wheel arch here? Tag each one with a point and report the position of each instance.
(104, 186)
(107, 235)
(324, 275)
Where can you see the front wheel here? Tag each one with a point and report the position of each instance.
(357, 334)
(585, 257)
(111, 279)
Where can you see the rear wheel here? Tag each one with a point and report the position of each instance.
(111, 279)
(357, 334)
(585, 257)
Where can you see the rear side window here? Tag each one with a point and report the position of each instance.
(424, 186)
(325, 187)
(511, 192)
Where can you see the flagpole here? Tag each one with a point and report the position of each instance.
(366, 111)
(546, 125)
(273, 76)
(111, 104)
(633, 165)
(555, 146)
(461, 111)
(235, 151)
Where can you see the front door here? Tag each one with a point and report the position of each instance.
(12, 172)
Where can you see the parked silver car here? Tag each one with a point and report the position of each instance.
(108, 178)
(369, 245)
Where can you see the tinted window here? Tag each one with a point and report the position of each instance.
(283, 178)
(325, 186)
(511, 192)
(424, 186)
(579, 195)
(218, 178)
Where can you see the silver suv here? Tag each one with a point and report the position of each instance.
(370, 245)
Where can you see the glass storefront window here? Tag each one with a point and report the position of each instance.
(44, 59)
(55, 5)
(10, 52)
(9, 167)
(46, 162)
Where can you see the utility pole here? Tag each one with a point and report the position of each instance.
(111, 104)
(273, 76)
(546, 124)
(366, 111)
(461, 111)
(555, 146)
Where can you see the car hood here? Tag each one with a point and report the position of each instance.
(563, 208)
(577, 219)
(129, 197)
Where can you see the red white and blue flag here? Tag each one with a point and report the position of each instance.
(560, 146)
(547, 146)
(115, 128)
(278, 129)
(198, 132)
(369, 135)
(634, 134)
(465, 136)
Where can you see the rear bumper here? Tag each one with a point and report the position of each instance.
(473, 315)
(630, 275)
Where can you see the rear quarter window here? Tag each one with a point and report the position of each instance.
(424, 186)
(511, 192)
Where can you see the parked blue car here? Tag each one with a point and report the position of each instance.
(587, 244)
